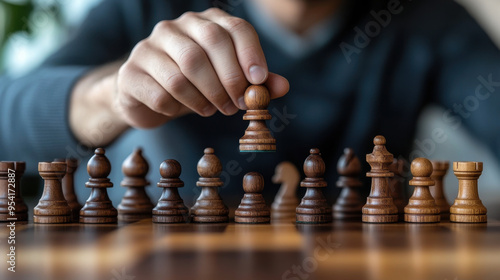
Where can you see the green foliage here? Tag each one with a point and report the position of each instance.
(15, 18)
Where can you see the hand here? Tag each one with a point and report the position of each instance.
(200, 62)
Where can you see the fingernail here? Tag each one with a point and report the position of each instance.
(258, 74)
(229, 108)
(241, 103)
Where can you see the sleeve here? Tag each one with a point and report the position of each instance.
(468, 83)
(34, 122)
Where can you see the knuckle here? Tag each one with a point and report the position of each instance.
(211, 33)
(235, 24)
(191, 58)
(162, 26)
(177, 83)
(187, 15)
(159, 102)
(233, 81)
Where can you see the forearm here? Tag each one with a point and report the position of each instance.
(93, 118)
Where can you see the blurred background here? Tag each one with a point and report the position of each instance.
(32, 29)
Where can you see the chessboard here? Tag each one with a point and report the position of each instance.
(338, 250)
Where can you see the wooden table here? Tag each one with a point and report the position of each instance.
(342, 250)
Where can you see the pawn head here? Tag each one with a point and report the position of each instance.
(253, 182)
(170, 168)
(99, 165)
(257, 97)
(421, 167)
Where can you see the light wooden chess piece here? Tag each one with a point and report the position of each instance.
(286, 201)
(379, 207)
(468, 208)
(440, 169)
(257, 136)
(421, 208)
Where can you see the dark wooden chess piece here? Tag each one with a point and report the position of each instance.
(379, 207)
(314, 208)
(437, 191)
(170, 207)
(286, 201)
(209, 207)
(12, 182)
(349, 204)
(257, 136)
(253, 208)
(421, 208)
(52, 207)
(468, 208)
(98, 209)
(68, 186)
(135, 204)
(396, 187)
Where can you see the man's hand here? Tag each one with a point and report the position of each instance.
(200, 62)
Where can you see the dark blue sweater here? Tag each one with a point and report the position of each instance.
(371, 78)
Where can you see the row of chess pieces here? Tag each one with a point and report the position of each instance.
(385, 203)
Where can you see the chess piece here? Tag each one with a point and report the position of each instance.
(209, 207)
(396, 187)
(253, 208)
(135, 204)
(257, 136)
(52, 207)
(349, 204)
(170, 207)
(313, 208)
(468, 208)
(98, 209)
(286, 201)
(68, 186)
(379, 207)
(437, 191)
(421, 208)
(12, 188)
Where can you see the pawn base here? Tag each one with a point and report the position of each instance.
(210, 219)
(338, 215)
(314, 219)
(252, 220)
(415, 218)
(169, 219)
(98, 220)
(51, 219)
(130, 218)
(458, 218)
(379, 219)
(17, 217)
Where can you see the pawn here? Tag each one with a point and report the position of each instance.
(421, 208)
(286, 201)
(135, 204)
(313, 208)
(98, 209)
(209, 207)
(170, 207)
(10, 186)
(52, 207)
(437, 191)
(396, 187)
(349, 204)
(257, 136)
(68, 185)
(253, 208)
(379, 207)
(468, 208)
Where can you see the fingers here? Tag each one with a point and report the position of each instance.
(246, 43)
(277, 85)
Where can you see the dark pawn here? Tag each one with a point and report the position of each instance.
(209, 207)
(396, 187)
(135, 204)
(349, 203)
(257, 136)
(253, 208)
(52, 207)
(21, 209)
(170, 207)
(440, 168)
(98, 209)
(421, 208)
(313, 208)
(68, 186)
(379, 207)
